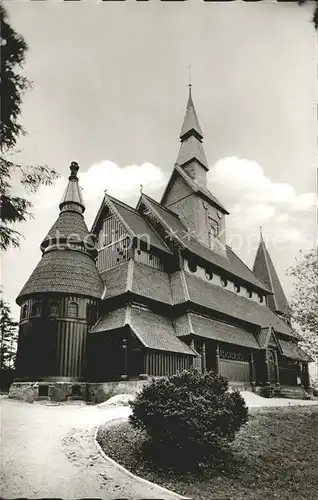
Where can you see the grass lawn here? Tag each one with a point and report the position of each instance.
(275, 455)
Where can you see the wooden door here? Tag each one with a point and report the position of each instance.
(272, 367)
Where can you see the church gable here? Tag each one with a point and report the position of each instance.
(176, 189)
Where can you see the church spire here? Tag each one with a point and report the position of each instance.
(72, 198)
(191, 154)
(264, 269)
(191, 125)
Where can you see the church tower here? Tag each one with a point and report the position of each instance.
(60, 300)
(187, 194)
(264, 269)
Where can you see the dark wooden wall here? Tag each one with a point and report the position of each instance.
(161, 363)
(54, 346)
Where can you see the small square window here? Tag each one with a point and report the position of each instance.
(43, 390)
(76, 390)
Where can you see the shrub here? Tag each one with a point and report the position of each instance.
(189, 417)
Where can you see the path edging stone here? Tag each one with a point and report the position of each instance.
(139, 479)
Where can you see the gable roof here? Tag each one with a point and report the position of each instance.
(264, 268)
(231, 264)
(136, 225)
(194, 186)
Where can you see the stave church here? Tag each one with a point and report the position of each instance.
(150, 291)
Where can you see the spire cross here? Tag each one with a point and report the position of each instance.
(190, 83)
(261, 233)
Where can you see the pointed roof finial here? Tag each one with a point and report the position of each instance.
(141, 188)
(190, 82)
(74, 168)
(72, 198)
(261, 233)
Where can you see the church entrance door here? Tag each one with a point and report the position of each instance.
(272, 367)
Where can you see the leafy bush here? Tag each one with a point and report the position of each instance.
(189, 417)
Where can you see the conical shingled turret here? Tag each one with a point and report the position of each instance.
(67, 264)
(264, 269)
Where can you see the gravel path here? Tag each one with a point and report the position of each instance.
(49, 451)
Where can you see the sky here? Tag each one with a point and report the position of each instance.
(110, 85)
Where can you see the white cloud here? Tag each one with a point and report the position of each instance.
(253, 200)
(245, 179)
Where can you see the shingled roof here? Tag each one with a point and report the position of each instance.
(153, 330)
(264, 268)
(202, 326)
(64, 271)
(231, 264)
(69, 224)
(293, 351)
(189, 288)
(139, 279)
(137, 226)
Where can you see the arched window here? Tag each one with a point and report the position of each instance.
(208, 275)
(36, 309)
(25, 311)
(192, 266)
(224, 282)
(54, 309)
(249, 293)
(260, 298)
(237, 288)
(73, 310)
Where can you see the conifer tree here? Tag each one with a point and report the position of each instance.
(13, 85)
(8, 336)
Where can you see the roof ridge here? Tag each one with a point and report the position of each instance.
(227, 246)
(197, 188)
(162, 206)
(123, 204)
(163, 222)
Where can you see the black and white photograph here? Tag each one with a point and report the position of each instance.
(159, 266)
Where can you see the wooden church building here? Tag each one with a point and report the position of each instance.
(153, 290)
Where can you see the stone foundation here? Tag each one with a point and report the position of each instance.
(53, 391)
(65, 391)
(100, 392)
